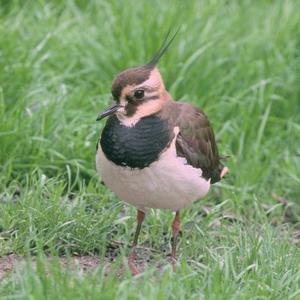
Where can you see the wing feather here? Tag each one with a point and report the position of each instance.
(196, 142)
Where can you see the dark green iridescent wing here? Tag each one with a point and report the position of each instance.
(196, 142)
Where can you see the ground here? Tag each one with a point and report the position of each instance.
(63, 235)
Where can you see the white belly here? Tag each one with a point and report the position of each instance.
(167, 183)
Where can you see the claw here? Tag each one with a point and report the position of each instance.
(132, 257)
(131, 263)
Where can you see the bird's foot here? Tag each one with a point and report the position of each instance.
(131, 263)
(172, 261)
(174, 264)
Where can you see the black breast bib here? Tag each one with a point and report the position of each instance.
(137, 146)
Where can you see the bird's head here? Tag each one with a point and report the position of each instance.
(139, 91)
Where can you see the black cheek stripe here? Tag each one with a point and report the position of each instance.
(152, 98)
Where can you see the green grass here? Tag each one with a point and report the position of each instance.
(237, 60)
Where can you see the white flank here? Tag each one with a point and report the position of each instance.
(168, 183)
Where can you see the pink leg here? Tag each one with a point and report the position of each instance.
(175, 228)
(132, 257)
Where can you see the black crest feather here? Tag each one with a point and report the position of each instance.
(163, 48)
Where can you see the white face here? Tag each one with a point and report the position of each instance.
(141, 100)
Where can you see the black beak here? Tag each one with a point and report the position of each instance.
(109, 111)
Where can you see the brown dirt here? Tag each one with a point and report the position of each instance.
(84, 263)
(7, 264)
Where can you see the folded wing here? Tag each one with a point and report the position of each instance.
(196, 142)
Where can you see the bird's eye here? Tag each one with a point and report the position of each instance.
(139, 94)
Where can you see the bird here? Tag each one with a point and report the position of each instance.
(154, 152)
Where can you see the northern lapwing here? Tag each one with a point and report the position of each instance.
(155, 152)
